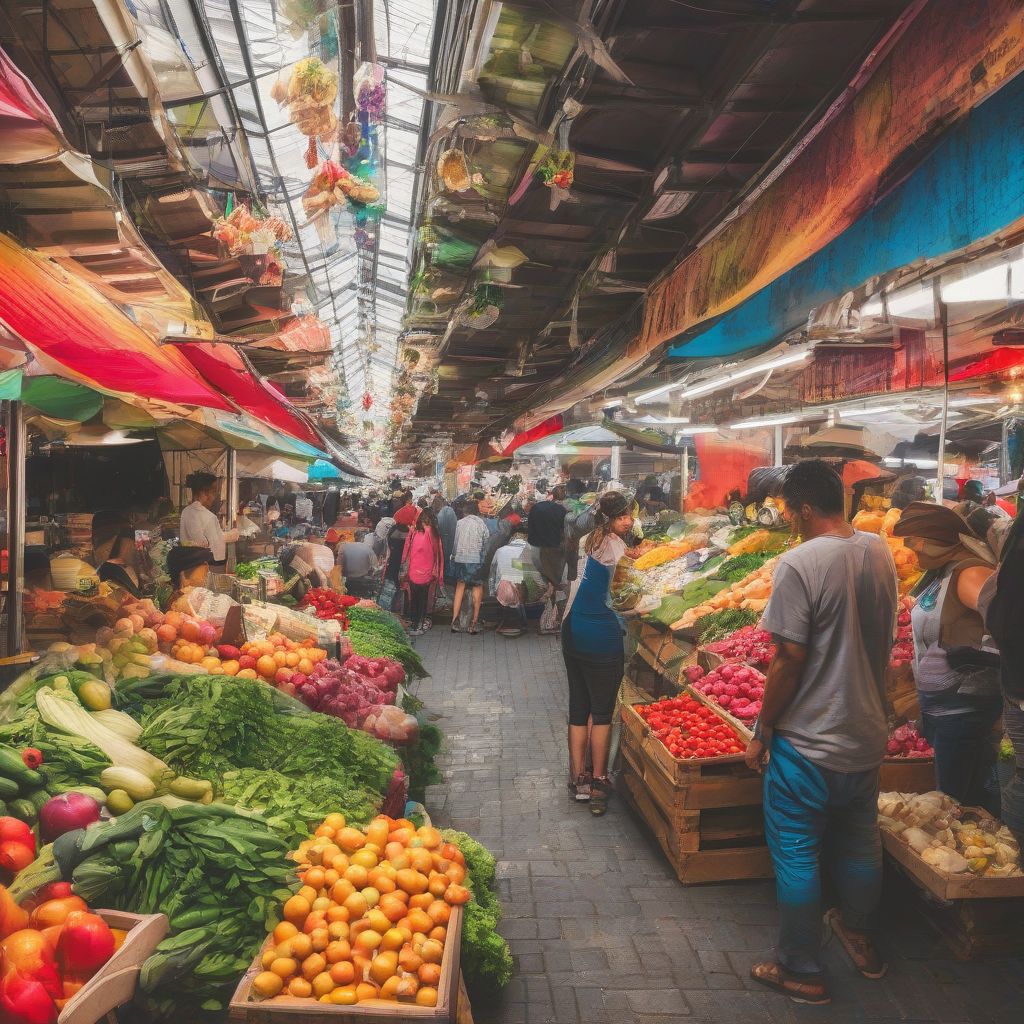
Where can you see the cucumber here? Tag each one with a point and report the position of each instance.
(38, 797)
(12, 766)
(9, 789)
(31, 779)
(24, 810)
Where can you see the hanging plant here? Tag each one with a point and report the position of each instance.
(485, 307)
(557, 168)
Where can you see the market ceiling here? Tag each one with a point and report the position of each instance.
(689, 107)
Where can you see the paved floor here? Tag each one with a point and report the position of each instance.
(600, 929)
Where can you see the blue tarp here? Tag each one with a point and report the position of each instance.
(969, 187)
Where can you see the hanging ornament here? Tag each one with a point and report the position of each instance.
(454, 171)
(367, 401)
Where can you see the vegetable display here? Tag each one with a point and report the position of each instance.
(749, 644)
(671, 551)
(903, 649)
(374, 633)
(327, 604)
(906, 741)
(690, 730)
(951, 838)
(275, 659)
(751, 593)
(370, 921)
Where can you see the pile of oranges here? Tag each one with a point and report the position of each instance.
(277, 657)
(371, 919)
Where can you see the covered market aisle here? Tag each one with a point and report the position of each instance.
(599, 927)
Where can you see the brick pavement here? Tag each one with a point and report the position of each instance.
(599, 927)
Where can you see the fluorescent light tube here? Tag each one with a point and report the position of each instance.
(770, 421)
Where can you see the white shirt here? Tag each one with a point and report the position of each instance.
(200, 528)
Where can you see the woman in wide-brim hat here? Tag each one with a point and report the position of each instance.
(956, 667)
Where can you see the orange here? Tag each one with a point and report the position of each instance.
(368, 941)
(229, 668)
(439, 932)
(336, 913)
(345, 996)
(301, 946)
(426, 997)
(323, 984)
(439, 912)
(300, 988)
(338, 930)
(280, 659)
(314, 878)
(343, 973)
(430, 974)
(267, 984)
(284, 966)
(338, 951)
(421, 901)
(266, 666)
(313, 965)
(356, 905)
(389, 990)
(419, 920)
(296, 910)
(285, 930)
(308, 893)
(246, 673)
(412, 882)
(366, 990)
(305, 666)
(321, 939)
(357, 875)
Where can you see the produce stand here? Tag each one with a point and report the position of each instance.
(705, 813)
(658, 658)
(113, 985)
(452, 1004)
(977, 917)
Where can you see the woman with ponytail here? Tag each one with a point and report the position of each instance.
(593, 652)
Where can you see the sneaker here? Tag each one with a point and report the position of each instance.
(580, 789)
(600, 791)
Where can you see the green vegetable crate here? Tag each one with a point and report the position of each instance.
(113, 985)
(452, 1003)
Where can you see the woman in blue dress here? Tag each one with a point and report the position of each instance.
(593, 652)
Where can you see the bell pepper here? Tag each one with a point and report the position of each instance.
(23, 1000)
(30, 953)
(86, 944)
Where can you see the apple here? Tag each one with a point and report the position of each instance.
(246, 661)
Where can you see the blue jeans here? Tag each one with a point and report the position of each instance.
(965, 754)
(1013, 789)
(810, 811)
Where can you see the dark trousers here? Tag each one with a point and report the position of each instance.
(965, 754)
(418, 609)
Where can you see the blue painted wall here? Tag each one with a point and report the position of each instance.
(969, 186)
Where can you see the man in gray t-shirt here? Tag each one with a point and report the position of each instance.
(821, 734)
(836, 596)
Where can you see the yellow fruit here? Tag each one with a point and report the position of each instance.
(285, 930)
(337, 951)
(383, 966)
(300, 988)
(345, 996)
(296, 910)
(377, 832)
(268, 958)
(371, 895)
(356, 905)
(364, 858)
(320, 938)
(366, 990)
(412, 882)
(323, 985)
(337, 930)
(284, 966)
(321, 905)
(307, 892)
(426, 997)
(432, 951)
(392, 939)
(368, 940)
(267, 984)
(349, 839)
(389, 988)
(341, 890)
(357, 875)
(299, 947)
(314, 964)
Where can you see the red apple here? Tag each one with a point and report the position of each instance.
(246, 661)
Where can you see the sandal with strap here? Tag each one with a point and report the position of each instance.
(801, 988)
(859, 948)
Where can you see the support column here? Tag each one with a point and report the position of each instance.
(684, 482)
(778, 445)
(616, 462)
(14, 423)
(940, 468)
(232, 500)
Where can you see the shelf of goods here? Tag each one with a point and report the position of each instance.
(704, 812)
(971, 894)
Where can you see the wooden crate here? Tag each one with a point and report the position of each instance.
(907, 775)
(291, 1010)
(978, 929)
(697, 867)
(706, 814)
(113, 984)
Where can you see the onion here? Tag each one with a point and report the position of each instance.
(65, 813)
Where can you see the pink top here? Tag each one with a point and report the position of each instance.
(422, 561)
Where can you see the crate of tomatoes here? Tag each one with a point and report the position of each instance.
(685, 773)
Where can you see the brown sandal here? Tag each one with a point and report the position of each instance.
(859, 948)
(809, 988)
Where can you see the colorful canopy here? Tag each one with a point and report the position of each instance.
(75, 332)
(228, 371)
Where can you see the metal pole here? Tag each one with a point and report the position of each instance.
(1004, 452)
(232, 489)
(16, 501)
(684, 482)
(616, 463)
(940, 468)
(778, 445)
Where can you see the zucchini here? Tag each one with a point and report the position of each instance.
(134, 783)
(190, 789)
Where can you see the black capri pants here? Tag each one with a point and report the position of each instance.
(593, 685)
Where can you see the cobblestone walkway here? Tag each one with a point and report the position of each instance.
(600, 929)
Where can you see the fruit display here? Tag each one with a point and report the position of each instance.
(691, 730)
(328, 604)
(737, 688)
(50, 948)
(671, 551)
(371, 919)
(906, 741)
(748, 644)
(949, 837)
(275, 659)
(903, 649)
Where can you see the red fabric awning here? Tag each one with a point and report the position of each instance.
(995, 362)
(76, 332)
(228, 371)
(29, 129)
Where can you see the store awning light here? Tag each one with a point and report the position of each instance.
(991, 285)
(770, 421)
(914, 303)
(648, 421)
(920, 463)
(725, 380)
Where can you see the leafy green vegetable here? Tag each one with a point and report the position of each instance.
(374, 633)
(740, 567)
(709, 628)
(486, 958)
(69, 761)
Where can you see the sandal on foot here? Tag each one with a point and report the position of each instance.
(801, 988)
(456, 628)
(580, 789)
(474, 629)
(600, 790)
(862, 952)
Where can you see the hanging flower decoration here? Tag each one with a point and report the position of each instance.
(370, 92)
(333, 185)
(367, 401)
(557, 168)
(243, 233)
(309, 93)
(351, 139)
